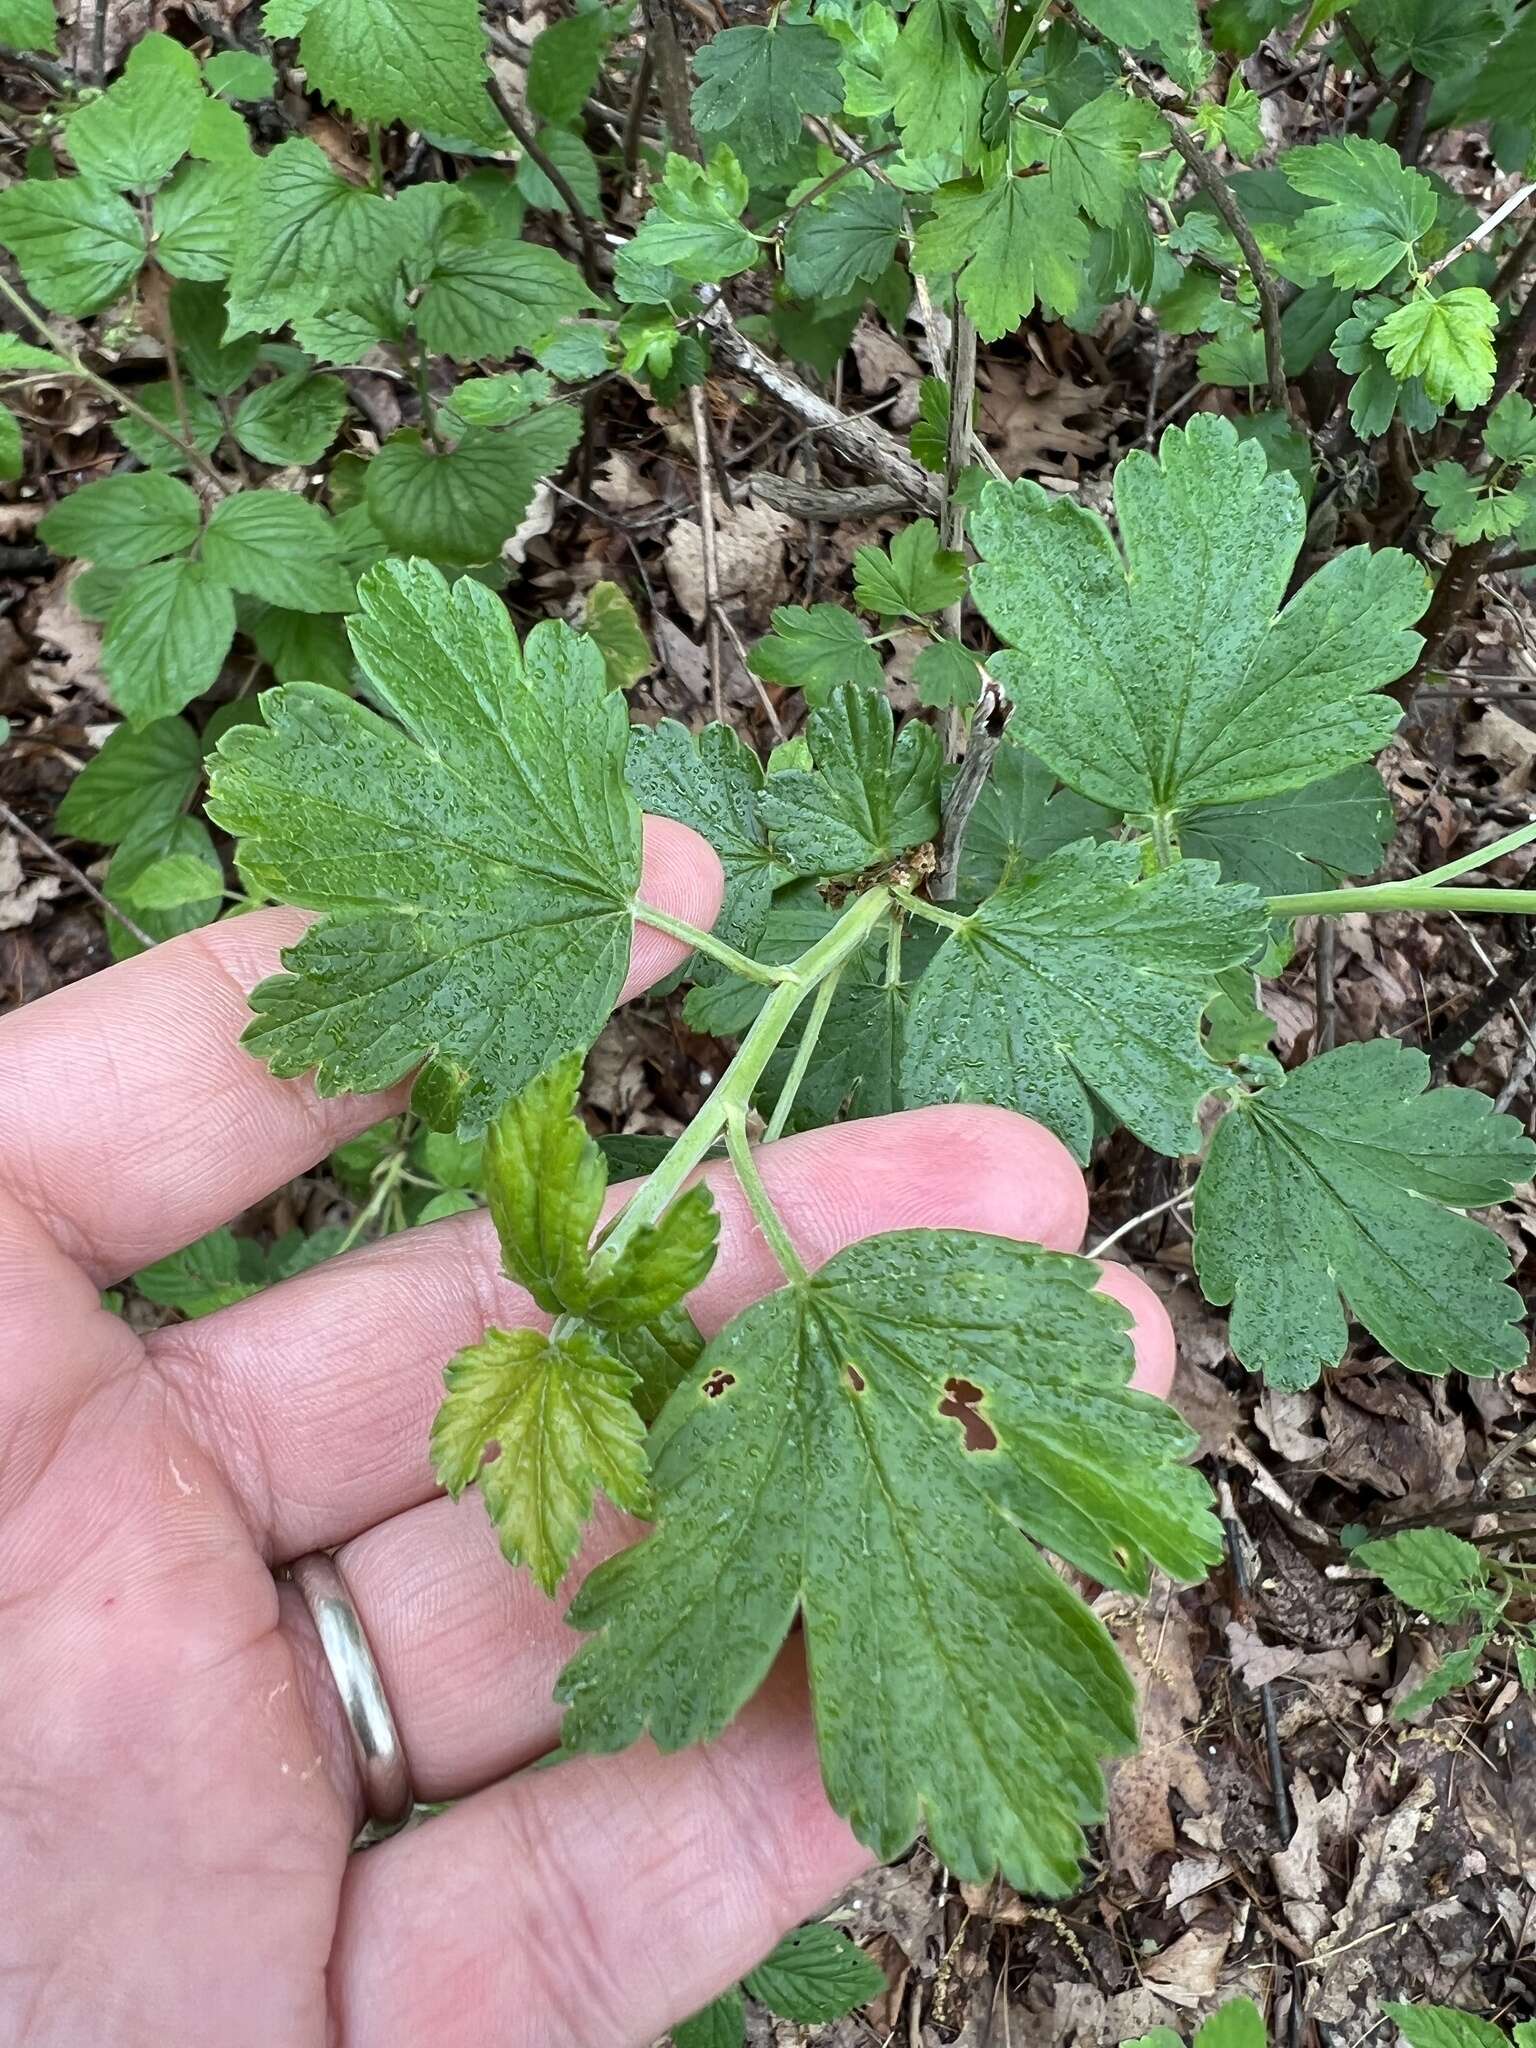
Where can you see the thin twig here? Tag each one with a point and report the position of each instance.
(825, 501)
(527, 142)
(982, 741)
(1512, 269)
(82, 880)
(1361, 51)
(671, 67)
(962, 393)
(1412, 121)
(1181, 1200)
(707, 544)
(1236, 1541)
(44, 67)
(99, 44)
(1481, 231)
(1324, 970)
(635, 117)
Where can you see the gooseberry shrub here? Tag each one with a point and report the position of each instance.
(1142, 749)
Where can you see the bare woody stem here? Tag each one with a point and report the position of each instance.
(527, 142)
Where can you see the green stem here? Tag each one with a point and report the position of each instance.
(1481, 856)
(375, 158)
(746, 1070)
(422, 367)
(706, 942)
(1165, 844)
(385, 1186)
(920, 907)
(1415, 895)
(769, 1221)
(893, 939)
(802, 1059)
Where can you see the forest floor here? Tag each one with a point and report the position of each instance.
(1279, 1834)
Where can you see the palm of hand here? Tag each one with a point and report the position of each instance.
(179, 1793)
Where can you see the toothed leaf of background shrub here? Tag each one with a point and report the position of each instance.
(197, 218)
(1373, 209)
(460, 504)
(1286, 845)
(1078, 976)
(303, 232)
(911, 578)
(1009, 245)
(871, 794)
(140, 128)
(812, 649)
(720, 2024)
(144, 773)
(1446, 342)
(756, 85)
(1094, 158)
(166, 638)
(417, 61)
(947, 673)
(1345, 1181)
(477, 859)
(937, 74)
(278, 546)
(561, 1412)
(564, 63)
(1021, 817)
(79, 244)
(221, 1269)
(152, 840)
(816, 1461)
(1511, 431)
(30, 25)
(815, 1974)
(1173, 677)
(1170, 27)
(1442, 2026)
(712, 782)
(292, 420)
(490, 294)
(204, 423)
(694, 226)
(199, 313)
(831, 249)
(240, 75)
(124, 521)
(1429, 1570)
(1471, 508)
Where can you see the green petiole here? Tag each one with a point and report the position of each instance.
(716, 949)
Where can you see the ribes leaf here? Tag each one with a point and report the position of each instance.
(1167, 680)
(938, 73)
(1169, 26)
(1079, 976)
(870, 795)
(561, 1412)
(1094, 158)
(1472, 508)
(1346, 1180)
(1376, 397)
(79, 244)
(811, 650)
(417, 61)
(1284, 845)
(756, 85)
(1445, 341)
(815, 1974)
(166, 638)
(1510, 435)
(124, 521)
(1373, 209)
(694, 226)
(279, 546)
(477, 860)
(612, 621)
(459, 504)
(1020, 818)
(1429, 1570)
(913, 578)
(947, 673)
(1012, 243)
(712, 782)
(870, 1448)
(144, 773)
(831, 249)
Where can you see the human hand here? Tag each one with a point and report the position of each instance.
(177, 1788)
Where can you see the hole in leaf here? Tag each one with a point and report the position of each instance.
(855, 1379)
(961, 1400)
(717, 1383)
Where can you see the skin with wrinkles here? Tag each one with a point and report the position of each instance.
(176, 1792)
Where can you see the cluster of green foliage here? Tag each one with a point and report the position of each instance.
(1437, 1574)
(1239, 2024)
(892, 1449)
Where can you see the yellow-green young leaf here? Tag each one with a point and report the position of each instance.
(1372, 212)
(79, 243)
(294, 419)
(1239, 2024)
(938, 73)
(875, 1448)
(278, 546)
(166, 638)
(304, 235)
(140, 128)
(756, 85)
(1012, 242)
(1346, 1181)
(240, 75)
(459, 504)
(21, 355)
(916, 577)
(124, 521)
(1442, 2026)
(661, 1263)
(815, 1974)
(29, 25)
(614, 624)
(1429, 1570)
(545, 1179)
(694, 226)
(1077, 979)
(870, 795)
(560, 1412)
(478, 858)
(1446, 341)
(148, 774)
(417, 61)
(1173, 677)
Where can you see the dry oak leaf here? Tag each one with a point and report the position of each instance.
(1140, 1825)
(749, 553)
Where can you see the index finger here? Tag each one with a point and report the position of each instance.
(133, 1121)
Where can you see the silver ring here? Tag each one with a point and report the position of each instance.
(381, 1764)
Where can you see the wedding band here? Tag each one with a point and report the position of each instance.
(381, 1764)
